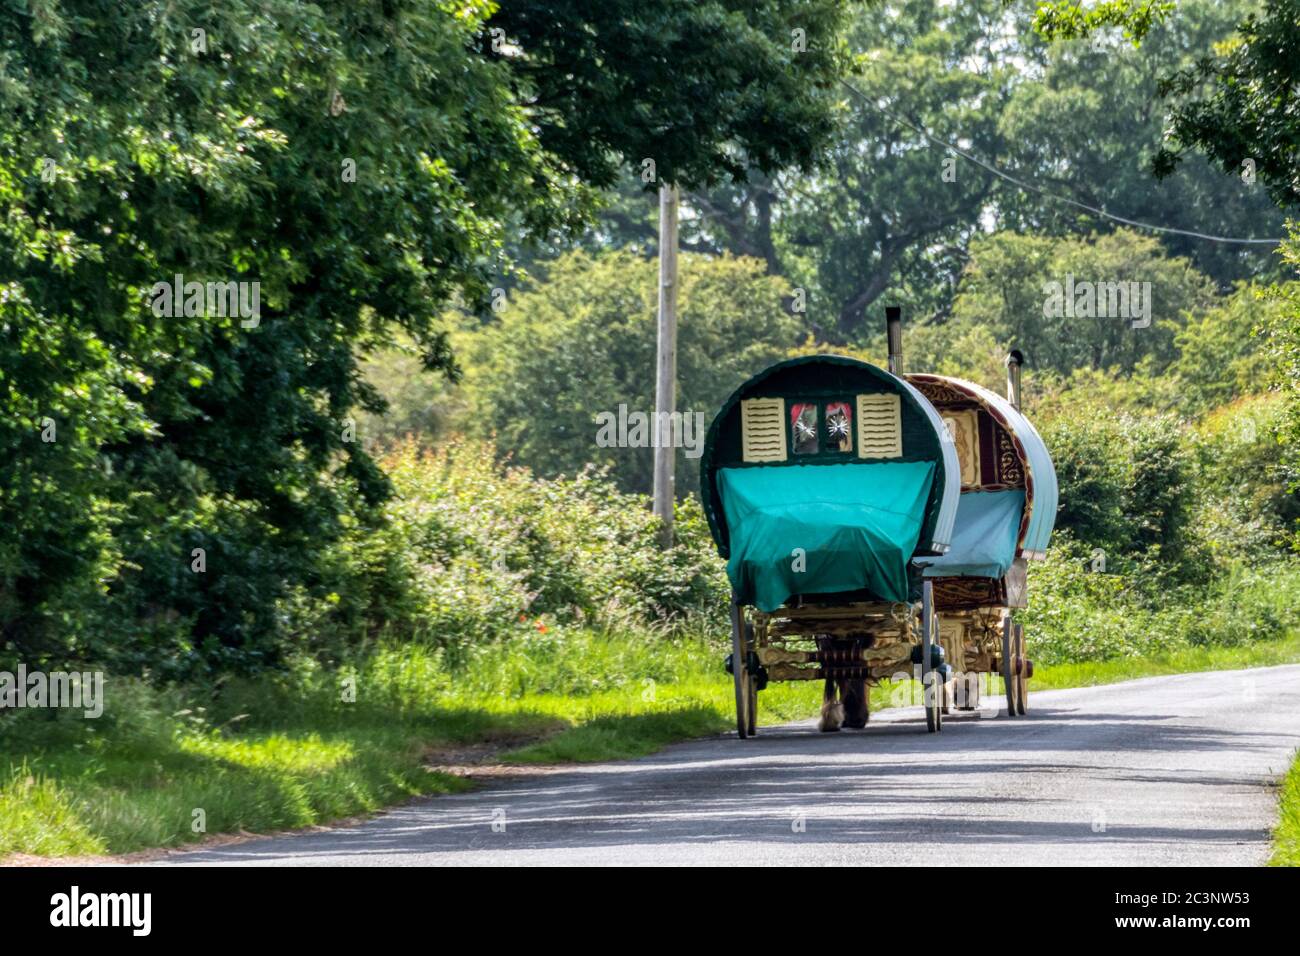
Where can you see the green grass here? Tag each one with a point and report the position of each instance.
(288, 751)
(1286, 838)
(69, 800)
(707, 705)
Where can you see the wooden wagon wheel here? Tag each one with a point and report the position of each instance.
(1008, 664)
(752, 710)
(949, 695)
(931, 689)
(752, 701)
(739, 672)
(1022, 678)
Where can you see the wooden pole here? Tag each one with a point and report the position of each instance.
(666, 363)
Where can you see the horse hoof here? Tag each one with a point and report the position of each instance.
(832, 717)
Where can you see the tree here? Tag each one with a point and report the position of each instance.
(1103, 302)
(1220, 352)
(1234, 104)
(707, 90)
(1126, 481)
(891, 211)
(1239, 106)
(1071, 20)
(1282, 345)
(355, 167)
(1087, 123)
(581, 343)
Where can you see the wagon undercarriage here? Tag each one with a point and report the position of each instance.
(875, 642)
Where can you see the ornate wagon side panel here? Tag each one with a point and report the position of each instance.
(1011, 454)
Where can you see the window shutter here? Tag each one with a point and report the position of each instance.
(762, 426)
(880, 426)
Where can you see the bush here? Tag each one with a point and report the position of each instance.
(1245, 506)
(475, 552)
(1125, 481)
(1077, 615)
(583, 342)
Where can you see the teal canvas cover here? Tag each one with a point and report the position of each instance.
(984, 537)
(856, 523)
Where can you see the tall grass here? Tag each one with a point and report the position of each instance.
(1286, 837)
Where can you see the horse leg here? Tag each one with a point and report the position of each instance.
(832, 710)
(857, 703)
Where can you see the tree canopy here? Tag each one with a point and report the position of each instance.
(362, 164)
(580, 340)
(1238, 106)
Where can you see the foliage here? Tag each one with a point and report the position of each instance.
(1246, 505)
(1070, 20)
(583, 342)
(1220, 353)
(1077, 615)
(890, 211)
(362, 164)
(705, 89)
(474, 553)
(1016, 286)
(1282, 344)
(1088, 125)
(1125, 482)
(223, 433)
(417, 402)
(1286, 836)
(1239, 104)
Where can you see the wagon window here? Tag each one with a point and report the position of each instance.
(803, 428)
(963, 425)
(839, 427)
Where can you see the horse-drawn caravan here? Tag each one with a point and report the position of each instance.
(876, 526)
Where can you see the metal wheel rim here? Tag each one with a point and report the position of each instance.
(739, 672)
(1022, 682)
(1008, 656)
(931, 698)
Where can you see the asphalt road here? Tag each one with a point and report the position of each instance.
(1162, 771)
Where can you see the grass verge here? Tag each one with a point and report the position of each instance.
(1286, 837)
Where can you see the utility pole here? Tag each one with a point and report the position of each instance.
(666, 363)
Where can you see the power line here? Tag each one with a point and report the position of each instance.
(1043, 192)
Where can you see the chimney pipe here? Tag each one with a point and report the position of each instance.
(1015, 359)
(894, 327)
